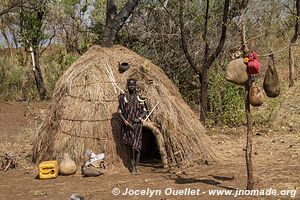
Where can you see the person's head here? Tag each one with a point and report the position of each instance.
(131, 84)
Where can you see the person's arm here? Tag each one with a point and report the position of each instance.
(122, 117)
(124, 120)
(143, 113)
(120, 111)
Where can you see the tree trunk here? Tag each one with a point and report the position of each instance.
(43, 94)
(6, 40)
(204, 94)
(204, 70)
(250, 182)
(14, 38)
(109, 35)
(291, 47)
(291, 66)
(114, 24)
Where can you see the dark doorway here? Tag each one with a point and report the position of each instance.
(150, 155)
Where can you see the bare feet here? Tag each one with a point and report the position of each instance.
(135, 171)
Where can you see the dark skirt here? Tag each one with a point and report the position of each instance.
(133, 137)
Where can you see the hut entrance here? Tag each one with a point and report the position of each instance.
(150, 155)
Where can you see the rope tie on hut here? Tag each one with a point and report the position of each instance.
(92, 83)
(88, 120)
(81, 136)
(90, 100)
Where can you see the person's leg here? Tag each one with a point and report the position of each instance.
(132, 161)
(137, 160)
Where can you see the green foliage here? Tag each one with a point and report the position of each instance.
(233, 105)
(56, 64)
(21, 58)
(10, 80)
(32, 22)
(265, 115)
(16, 77)
(32, 25)
(226, 100)
(98, 20)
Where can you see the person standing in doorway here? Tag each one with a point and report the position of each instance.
(132, 110)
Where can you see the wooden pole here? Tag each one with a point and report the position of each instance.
(250, 182)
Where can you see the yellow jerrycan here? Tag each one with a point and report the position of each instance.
(48, 169)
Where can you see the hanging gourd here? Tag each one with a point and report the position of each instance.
(256, 96)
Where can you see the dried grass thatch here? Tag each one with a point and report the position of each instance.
(82, 113)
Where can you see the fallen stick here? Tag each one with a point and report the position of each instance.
(8, 165)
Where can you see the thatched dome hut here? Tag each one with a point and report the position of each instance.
(82, 114)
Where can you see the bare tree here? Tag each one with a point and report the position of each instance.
(115, 21)
(8, 8)
(292, 44)
(202, 71)
(71, 19)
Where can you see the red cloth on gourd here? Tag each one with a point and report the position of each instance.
(253, 64)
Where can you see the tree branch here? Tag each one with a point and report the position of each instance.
(114, 25)
(125, 13)
(168, 12)
(286, 5)
(296, 33)
(273, 52)
(223, 35)
(111, 10)
(255, 37)
(183, 40)
(11, 7)
(50, 41)
(205, 32)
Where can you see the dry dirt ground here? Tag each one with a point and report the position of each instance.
(276, 160)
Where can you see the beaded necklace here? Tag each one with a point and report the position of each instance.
(131, 98)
